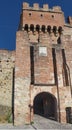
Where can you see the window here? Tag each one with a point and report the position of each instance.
(29, 14)
(41, 15)
(42, 51)
(52, 16)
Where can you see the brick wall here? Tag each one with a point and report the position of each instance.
(22, 80)
(42, 16)
(42, 61)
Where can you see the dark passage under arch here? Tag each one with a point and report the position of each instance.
(45, 104)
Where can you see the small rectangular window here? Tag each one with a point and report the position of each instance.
(42, 51)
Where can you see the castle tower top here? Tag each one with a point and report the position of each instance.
(41, 16)
(45, 7)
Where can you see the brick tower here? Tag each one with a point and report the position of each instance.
(43, 67)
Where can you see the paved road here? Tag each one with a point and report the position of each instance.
(39, 123)
(43, 123)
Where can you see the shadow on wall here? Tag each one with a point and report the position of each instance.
(13, 96)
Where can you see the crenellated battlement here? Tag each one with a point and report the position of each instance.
(57, 9)
(70, 20)
(44, 8)
(44, 16)
(25, 5)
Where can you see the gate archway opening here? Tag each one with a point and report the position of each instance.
(45, 104)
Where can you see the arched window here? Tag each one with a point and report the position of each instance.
(60, 29)
(37, 27)
(43, 28)
(26, 27)
(49, 29)
(54, 29)
(32, 27)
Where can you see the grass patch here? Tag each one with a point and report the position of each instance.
(32, 122)
(9, 117)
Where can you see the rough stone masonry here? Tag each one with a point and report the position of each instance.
(39, 71)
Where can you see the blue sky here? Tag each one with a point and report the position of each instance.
(10, 14)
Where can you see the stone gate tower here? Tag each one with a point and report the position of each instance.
(43, 67)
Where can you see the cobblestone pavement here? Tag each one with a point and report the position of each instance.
(39, 123)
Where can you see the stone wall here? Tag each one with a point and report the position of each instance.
(7, 63)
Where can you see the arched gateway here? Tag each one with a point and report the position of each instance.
(45, 104)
